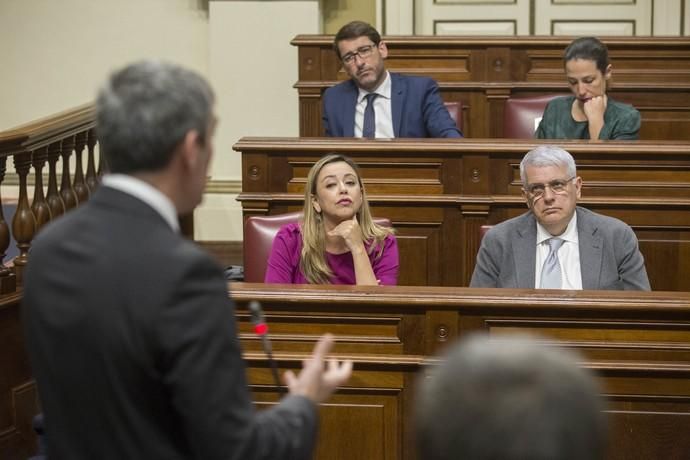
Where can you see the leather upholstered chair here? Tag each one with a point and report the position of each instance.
(522, 115)
(455, 111)
(259, 232)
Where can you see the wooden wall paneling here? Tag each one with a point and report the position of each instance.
(474, 116)
(310, 64)
(604, 325)
(18, 393)
(636, 343)
(665, 115)
(298, 332)
(255, 172)
(652, 73)
(647, 407)
(473, 217)
(438, 192)
(310, 113)
(495, 101)
(666, 252)
(419, 246)
(604, 338)
(365, 419)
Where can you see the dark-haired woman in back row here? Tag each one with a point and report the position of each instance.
(589, 113)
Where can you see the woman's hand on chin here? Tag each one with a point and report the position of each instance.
(349, 231)
(595, 107)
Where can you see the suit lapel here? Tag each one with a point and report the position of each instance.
(398, 90)
(590, 251)
(348, 112)
(524, 250)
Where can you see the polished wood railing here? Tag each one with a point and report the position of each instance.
(64, 136)
(58, 142)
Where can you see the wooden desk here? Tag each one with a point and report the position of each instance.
(651, 73)
(638, 344)
(438, 193)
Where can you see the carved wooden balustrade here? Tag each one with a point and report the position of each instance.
(56, 142)
(64, 136)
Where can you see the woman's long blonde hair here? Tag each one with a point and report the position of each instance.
(313, 261)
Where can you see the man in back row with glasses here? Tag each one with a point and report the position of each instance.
(375, 103)
(557, 244)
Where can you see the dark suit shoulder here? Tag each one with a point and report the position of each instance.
(414, 81)
(411, 78)
(340, 89)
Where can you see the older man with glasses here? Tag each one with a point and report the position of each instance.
(375, 103)
(557, 244)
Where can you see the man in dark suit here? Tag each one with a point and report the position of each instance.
(130, 331)
(376, 103)
(557, 244)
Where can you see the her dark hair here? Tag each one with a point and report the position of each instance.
(590, 48)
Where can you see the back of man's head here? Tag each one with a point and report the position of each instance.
(145, 110)
(509, 399)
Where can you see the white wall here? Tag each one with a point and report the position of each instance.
(253, 69)
(55, 54)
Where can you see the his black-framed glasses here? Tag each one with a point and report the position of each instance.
(558, 186)
(363, 52)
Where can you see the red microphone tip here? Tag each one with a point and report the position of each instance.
(261, 328)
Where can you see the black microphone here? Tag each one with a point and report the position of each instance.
(261, 329)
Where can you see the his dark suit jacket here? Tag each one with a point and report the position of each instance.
(609, 254)
(133, 344)
(416, 106)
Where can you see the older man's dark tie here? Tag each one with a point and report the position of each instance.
(369, 126)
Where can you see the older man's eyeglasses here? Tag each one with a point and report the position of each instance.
(557, 186)
(363, 52)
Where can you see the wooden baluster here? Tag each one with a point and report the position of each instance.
(91, 177)
(24, 222)
(54, 200)
(102, 163)
(80, 188)
(8, 281)
(66, 190)
(39, 206)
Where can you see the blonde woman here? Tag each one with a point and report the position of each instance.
(337, 241)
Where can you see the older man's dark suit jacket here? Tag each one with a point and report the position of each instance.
(133, 343)
(416, 106)
(609, 254)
